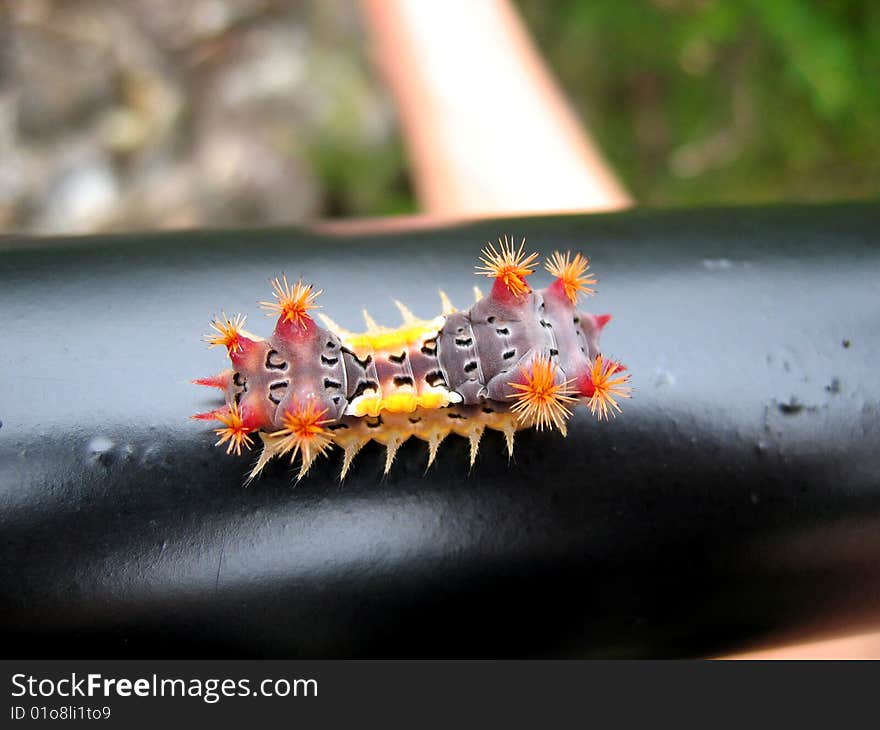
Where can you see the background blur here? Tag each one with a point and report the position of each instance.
(160, 113)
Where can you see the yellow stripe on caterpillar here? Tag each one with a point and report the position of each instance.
(383, 339)
(399, 402)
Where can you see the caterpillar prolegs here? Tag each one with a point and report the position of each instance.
(518, 358)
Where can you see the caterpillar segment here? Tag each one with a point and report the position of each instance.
(517, 358)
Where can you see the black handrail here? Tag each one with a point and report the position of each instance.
(735, 503)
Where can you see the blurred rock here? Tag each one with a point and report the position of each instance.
(156, 114)
(82, 195)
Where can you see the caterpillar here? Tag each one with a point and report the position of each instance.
(517, 358)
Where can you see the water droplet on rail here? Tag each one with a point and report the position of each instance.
(99, 449)
(717, 264)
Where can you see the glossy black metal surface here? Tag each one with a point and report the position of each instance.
(735, 503)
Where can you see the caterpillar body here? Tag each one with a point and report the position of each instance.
(517, 358)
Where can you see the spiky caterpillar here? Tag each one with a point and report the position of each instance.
(517, 358)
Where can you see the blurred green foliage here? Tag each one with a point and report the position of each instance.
(355, 152)
(723, 101)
